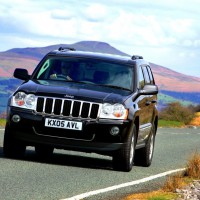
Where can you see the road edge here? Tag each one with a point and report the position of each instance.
(115, 187)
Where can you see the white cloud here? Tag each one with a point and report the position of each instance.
(96, 12)
(97, 21)
(62, 14)
(156, 29)
(197, 43)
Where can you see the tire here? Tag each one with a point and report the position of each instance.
(144, 156)
(123, 158)
(12, 148)
(43, 151)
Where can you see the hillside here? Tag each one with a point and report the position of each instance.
(173, 86)
(29, 57)
(173, 81)
(39, 52)
(165, 97)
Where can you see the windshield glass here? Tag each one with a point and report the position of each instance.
(90, 71)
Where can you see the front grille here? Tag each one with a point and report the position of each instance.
(67, 107)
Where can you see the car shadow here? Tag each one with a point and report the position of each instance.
(65, 159)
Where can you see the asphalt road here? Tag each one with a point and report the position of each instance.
(69, 174)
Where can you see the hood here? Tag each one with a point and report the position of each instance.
(71, 90)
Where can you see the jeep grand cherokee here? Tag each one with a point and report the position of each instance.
(85, 101)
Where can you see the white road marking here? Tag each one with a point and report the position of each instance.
(178, 133)
(115, 187)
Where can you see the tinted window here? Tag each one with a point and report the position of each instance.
(146, 75)
(91, 71)
(150, 75)
(141, 79)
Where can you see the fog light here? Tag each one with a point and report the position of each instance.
(114, 130)
(16, 118)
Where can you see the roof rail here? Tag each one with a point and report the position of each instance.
(134, 57)
(66, 48)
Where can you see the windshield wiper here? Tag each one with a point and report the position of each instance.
(106, 85)
(114, 86)
(85, 82)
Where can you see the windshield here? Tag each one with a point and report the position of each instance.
(99, 72)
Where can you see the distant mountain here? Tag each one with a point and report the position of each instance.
(173, 86)
(168, 79)
(29, 57)
(39, 52)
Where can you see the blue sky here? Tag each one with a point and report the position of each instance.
(164, 32)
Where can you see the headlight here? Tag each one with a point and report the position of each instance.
(19, 98)
(30, 100)
(116, 111)
(107, 108)
(23, 100)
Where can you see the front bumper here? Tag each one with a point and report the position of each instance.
(94, 137)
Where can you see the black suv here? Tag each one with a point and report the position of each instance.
(85, 101)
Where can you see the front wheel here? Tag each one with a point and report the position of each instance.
(144, 156)
(123, 158)
(12, 148)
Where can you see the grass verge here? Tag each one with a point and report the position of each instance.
(2, 122)
(177, 181)
(166, 123)
(155, 195)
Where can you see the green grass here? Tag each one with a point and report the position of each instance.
(154, 195)
(166, 123)
(2, 122)
(163, 197)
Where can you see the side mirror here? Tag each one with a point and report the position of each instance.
(21, 74)
(149, 89)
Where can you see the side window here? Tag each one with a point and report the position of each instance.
(141, 79)
(150, 75)
(146, 75)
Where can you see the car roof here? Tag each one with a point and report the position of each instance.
(96, 55)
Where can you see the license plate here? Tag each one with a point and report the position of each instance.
(65, 124)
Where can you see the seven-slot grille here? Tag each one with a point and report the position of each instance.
(67, 107)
